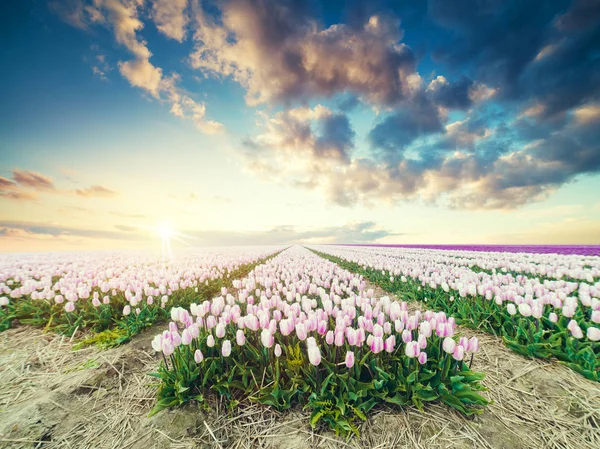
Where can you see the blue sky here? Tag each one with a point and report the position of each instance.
(246, 121)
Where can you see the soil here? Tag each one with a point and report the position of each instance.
(54, 397)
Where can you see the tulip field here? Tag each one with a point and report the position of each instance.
(522, 297)
(339, 334)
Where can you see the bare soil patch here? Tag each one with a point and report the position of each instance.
(54, 397)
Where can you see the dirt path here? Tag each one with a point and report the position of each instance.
(53, 397)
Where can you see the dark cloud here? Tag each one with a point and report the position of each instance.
(348, 104)
(316, 134)
(417, 118)
(532, 51)
(280, 51)
(453, 95)
(583, 14)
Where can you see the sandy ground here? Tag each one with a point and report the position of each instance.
(54, 397)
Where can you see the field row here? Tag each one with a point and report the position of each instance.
(302, 330)
(536, 317)
(114, 294)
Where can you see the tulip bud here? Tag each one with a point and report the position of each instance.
(349, 359)
(473, 345)
(198, 356)
(412, 349)
(448, 345)
(240, 337)
(277, 350)
(459, 352)
(423, 358)
(186, 338)
(593, 334)
(210, 341)
(226, 348)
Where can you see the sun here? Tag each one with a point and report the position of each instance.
(165, 232)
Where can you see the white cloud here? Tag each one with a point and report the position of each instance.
(170, 18)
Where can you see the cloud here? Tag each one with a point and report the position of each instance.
(126, 228)
(303, 135)
(141, 73)
(126, 214)
(36, 230)
(71, 12)
(95, 191)
(530, 52)
(33, 180)
(279, 52)
(123, 18)
(170, 18)
(363, 232)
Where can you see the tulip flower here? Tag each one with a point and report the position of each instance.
(422, 358)
(210, 341)
(349, 359)
(266, 338)
(449, 345)
(593, 334)
(198, 356)
(412, 349)
(226, 348)
(277, 350)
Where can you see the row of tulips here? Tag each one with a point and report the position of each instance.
(301, 330)
(541, 319)
(113, 294)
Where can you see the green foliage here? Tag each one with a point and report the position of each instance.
(337, 397)
(107, 323)
(525, 335)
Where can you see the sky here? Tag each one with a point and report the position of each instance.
(251, 122)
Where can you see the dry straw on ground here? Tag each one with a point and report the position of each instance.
(53, 397)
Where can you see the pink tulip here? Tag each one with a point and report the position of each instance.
(423, 358)
(449, 345)
(226, 348)
(412, 349)
(473, 344)
(553, 317)
(389, 344)
(593, 334)
(186, 338)
(267, 338)
(198, 356)
(301, 331)
(406, 336)
(220, 330)
(167, 347)
(210, 341)
(422, 341)
(349, 359)
(240, 337)
(338, 339)
(277, 350)
(459, 352)
(314, 355)
(376, 345)
(70, 307)
(329, 338)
